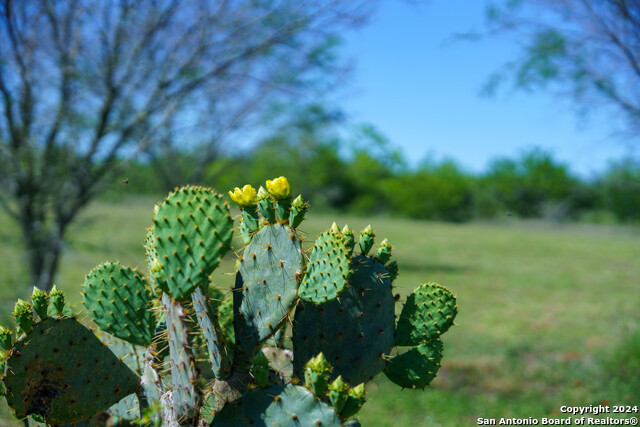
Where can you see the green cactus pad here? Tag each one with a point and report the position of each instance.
(153, 264)
(266, 287)
(128, 409)
(417, 367)
(208, 323)
(184, 378)
(354, 331)
(428, 312)
(327, 271)
(63, 373)
(277, 405)
(260, 370)
(119, 302)
(193, 230)
(225, 318)
(393, 269)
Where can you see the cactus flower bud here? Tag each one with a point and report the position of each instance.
(334, 228)
(338, 393)
(349, 239)
(319, 364)
(262, 193)
(23, 313)
(156, 267)
(357, 391)
(298, 202)
(298, 210)
(354, 402)
(40, 301)
(366, 239)
(6, 338)
(265, 206)
(246, 197)
(316, 374)
(279, 187)
(57, 300)
(384, 251)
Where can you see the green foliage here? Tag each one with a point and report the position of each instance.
(525, 186)
(619, 189)
(435, 191)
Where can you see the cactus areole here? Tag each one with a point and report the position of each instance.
(169, 347)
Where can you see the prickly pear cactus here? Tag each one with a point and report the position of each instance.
(292, 343)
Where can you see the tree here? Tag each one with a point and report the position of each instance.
(86, 84)
(589, 49)
(526, 184)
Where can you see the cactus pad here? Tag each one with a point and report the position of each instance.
(119, 302)
(428, 312)
(266, 286)
(277, 405)
(186, 393)
(208, 322)
(417, 367)
(64, 374)
(328, 269)
(354, 331)
(193, 230)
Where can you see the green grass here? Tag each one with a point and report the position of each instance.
(548, 313)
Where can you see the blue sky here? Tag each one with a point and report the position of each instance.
(422, 91)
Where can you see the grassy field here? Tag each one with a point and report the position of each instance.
(549, 314)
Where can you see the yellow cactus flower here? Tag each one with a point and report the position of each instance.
(279, 187)
(246, 197)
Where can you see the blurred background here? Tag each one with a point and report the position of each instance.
(494, 143)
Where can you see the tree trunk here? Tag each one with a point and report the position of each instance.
(44, 249)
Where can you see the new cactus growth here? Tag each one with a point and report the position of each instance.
(23, 313)
(366, 239)
(57, 301)
(316, 374)
(298, 210)
(338, 393)
(6, 338)
(40, 301)
(349, 239)
(384, 251)
(171, 348)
